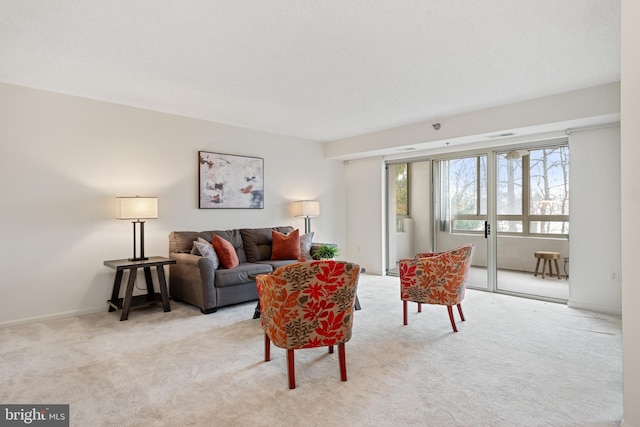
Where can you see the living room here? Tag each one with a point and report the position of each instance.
(66, 158)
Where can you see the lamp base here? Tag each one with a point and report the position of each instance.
(135, 255)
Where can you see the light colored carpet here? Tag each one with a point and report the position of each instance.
(515, 362)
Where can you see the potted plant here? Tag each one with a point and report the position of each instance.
(326, 252)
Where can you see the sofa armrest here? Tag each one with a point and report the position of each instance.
(184, 258)
(191, 279)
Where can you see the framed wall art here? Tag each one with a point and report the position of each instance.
(228, 181)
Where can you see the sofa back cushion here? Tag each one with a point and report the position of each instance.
(182, 241)
(285, 246)
(258, 241)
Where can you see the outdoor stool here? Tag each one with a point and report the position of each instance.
(546, 257)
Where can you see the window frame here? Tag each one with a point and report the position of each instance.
(526, 218)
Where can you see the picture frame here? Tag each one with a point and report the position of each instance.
(228, 181)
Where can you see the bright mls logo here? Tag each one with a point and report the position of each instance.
(35, 415)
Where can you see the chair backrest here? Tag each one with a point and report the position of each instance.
(436, 278)
(309, 304)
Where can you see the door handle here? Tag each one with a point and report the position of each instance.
(487, 229)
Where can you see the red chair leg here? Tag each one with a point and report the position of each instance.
(419, 308)
(267, 348)
(291, 372)
(460, 311)
(330, 349)
(343, 362)
(404, 311)
(453, 322)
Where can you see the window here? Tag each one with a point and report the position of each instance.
(532, 192)
(467, 178)
(402, 193)
(549, 191)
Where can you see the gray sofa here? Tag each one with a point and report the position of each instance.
(193, 279)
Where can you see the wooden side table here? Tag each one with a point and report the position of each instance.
(151, 297)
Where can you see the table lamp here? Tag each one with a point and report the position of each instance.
(307, 209)
(137, 208)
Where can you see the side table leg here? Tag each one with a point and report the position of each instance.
(149, 280)
(115, 293)
(162, 283)
(126, 304)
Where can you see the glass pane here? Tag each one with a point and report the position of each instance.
(468, 196)
(509, 226)
(483, 185)
(549, 174)
(509, 196)
(463, 185)
(402, 205)
(549, 227)
(468, 225)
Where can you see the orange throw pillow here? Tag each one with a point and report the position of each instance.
(226, 252)
(285, 246)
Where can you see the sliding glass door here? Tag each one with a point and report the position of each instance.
(532, 196)
(513, 204)
(409, 224)
(461, 200)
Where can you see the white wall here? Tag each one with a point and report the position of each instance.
(630, 193)
(595, 220)
(65, 159)
(366, 239)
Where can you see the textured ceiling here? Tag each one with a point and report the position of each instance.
(320, 70)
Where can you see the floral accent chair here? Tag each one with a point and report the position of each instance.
(436, 278)
(308, 304)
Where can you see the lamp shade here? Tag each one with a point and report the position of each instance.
(137, 207)
(306, 208)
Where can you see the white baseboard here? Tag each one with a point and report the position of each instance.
(593, 307)
(54, 316)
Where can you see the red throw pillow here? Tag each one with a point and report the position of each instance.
(226, 252)
(285, 246)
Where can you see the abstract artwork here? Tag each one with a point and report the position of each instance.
(229, 181)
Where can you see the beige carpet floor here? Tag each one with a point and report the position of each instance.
(515, 362)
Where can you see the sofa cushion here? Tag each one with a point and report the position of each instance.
(257, 242)
(203, 248)
(305, 245)
(233, 237)
(275, 264)
(240, 274)
(285, 246)
(226, 252)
